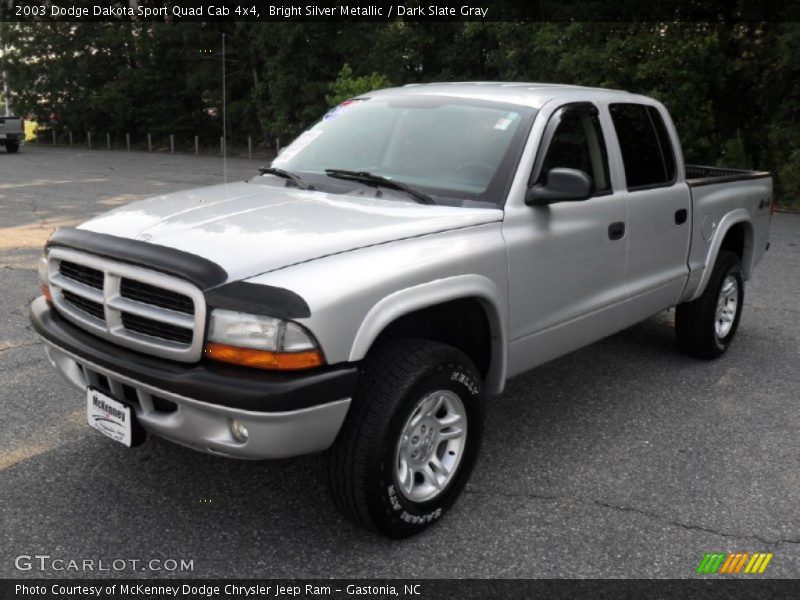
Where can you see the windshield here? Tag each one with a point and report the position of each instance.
(454, 150)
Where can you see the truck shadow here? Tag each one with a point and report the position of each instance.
(591, 421)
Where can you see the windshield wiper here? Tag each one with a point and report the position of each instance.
(367, 177)
(293, 177)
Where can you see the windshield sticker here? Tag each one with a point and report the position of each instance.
(337, 111)
(503, 123)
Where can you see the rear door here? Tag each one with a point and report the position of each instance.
(659, 208)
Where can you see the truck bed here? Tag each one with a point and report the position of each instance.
(12, 124)
(722, 197)
(11, 131)
(697, 175)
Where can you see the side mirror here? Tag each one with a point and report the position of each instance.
(561, 185)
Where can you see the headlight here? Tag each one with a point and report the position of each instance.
(261, 342)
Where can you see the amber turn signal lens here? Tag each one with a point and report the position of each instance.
(264, 359)
(46, 292)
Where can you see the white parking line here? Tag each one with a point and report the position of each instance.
(39, 182)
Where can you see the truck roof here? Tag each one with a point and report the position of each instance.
(525, 94)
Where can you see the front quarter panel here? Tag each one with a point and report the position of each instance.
(354, 295)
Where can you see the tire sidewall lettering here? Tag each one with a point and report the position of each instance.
(464, 379)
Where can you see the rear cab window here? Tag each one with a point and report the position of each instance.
(647, 152)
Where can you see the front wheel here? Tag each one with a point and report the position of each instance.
(706, 327)
(12, 147)
(411, 438)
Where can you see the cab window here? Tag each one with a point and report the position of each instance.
(578, 143)
(647, 152)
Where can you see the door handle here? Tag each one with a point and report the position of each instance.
(680, 216)
(616, 231)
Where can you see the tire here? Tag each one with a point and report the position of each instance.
(12, 147)
(700, 329)
(366, 457)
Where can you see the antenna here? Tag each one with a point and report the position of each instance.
(224, 118)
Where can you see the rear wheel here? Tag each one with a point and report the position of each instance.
(706, 327)
(411, 438)
(12, 147)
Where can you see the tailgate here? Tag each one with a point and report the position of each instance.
(11, 125)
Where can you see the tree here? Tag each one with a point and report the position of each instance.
(347, 85)
(733, 89)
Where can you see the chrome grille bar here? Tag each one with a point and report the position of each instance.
(152, 312)
(115, 306)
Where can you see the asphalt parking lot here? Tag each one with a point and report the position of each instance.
(625, 459)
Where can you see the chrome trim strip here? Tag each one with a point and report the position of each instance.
(77, 288)
(150, 311)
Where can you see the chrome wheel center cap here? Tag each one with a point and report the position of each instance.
(422, 443)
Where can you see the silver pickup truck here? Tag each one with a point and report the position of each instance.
(389, 271)
(12, 132)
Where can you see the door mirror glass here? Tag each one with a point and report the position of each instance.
(560, 185)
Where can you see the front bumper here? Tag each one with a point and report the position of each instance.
(194, 404)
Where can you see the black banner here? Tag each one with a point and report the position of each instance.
(402, 10)
(423, 589)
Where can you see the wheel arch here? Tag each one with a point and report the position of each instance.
(445, 297)
(734, 233)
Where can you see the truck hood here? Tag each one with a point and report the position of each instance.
(251, 228)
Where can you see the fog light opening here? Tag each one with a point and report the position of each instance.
(239, 431)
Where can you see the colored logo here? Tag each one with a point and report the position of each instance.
(734, 563)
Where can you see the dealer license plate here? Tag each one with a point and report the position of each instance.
(109, 417)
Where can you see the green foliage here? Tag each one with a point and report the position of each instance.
(347, 85)
(789, 178)
(732, 89)
(734, 154)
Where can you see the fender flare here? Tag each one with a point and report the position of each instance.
(405, 301)
(740, 215)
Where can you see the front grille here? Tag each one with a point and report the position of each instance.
(132, 306)
(156, 329)
(82, 304)
(150, 294)
(87, 276)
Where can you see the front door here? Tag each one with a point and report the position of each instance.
(567, 260)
